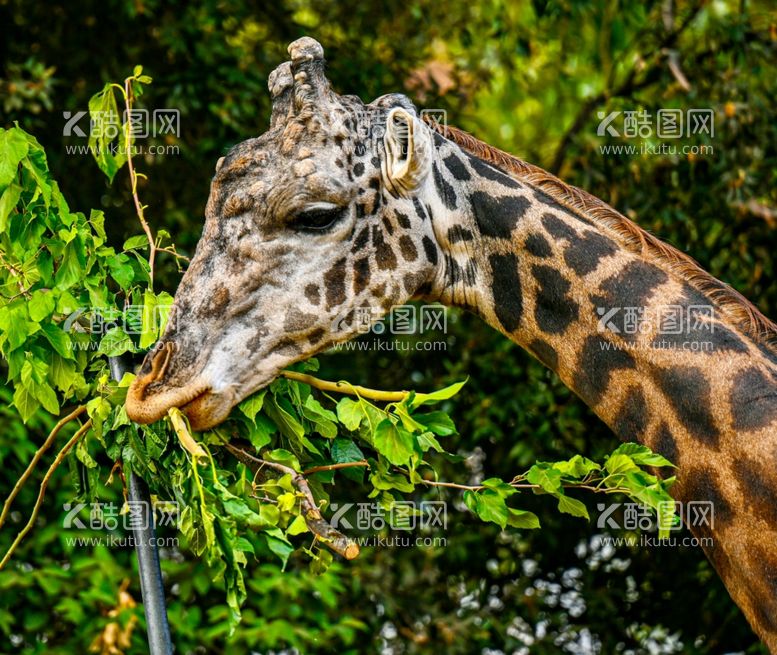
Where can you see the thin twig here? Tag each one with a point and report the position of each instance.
(521, 485)
(134, 183)
(332, 538)
(36, 458)
(335, 467)
(17, 274)
(42, 493)
(174, 253)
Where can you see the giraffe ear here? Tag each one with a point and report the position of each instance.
(408, 152)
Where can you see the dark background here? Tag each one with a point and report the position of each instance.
(530, 78)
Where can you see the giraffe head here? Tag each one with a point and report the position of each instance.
(309, 228)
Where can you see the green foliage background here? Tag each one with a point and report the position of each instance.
(527, 77)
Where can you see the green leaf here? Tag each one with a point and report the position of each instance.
(33, 371)
(394, 442)
(157, 437)
(46, 267)
(58, 339)
(82, 453)
(323, 419)
(314, 407)
(619, 463)
(641, 455)
(287, 422)
(238, 509)
(115, 343)
(8, 202)
(437, 396)
(62, 372)
(278, 544)
(576, 467)
(13, 321)
(98, 410)
(122, 272)
(97, 221)
(252, 405)
(260, 433)
(548, 479)
(269, 515)
(138, 241)
(345, 450)
(518, 518)
(149, 326)
(106, 119)
(384, 480)
(297, 526)
(47, 397)
(283, 456)
(71, 265)
(25, 402)
(488, 505)
(41, 304)
(39, 174)
(13, 148)
(350, 413)
(408, 421)
(572, 506)
(427, 441)
(321, 562)
(499, 486)
(438, 422)
(286, 501)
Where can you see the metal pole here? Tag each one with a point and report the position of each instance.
(151, 587)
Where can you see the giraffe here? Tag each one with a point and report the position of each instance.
(318, 218)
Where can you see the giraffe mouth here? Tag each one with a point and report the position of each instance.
(143, 407)
(207, 409)
(206, 399)
(204, 404)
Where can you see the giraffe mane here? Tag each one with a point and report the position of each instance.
(732, 303)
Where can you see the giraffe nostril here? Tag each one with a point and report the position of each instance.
(160, 360)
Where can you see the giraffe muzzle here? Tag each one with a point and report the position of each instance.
(148, 399)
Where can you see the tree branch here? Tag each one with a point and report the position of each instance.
(521, 485)
(347, 388)
(36, 458)
(42, 493)
(330, 536)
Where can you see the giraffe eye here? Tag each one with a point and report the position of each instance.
(318, 219)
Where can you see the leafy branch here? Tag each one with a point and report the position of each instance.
(329, 535)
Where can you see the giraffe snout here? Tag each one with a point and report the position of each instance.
(150, 395)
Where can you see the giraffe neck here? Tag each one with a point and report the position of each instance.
(695, 388)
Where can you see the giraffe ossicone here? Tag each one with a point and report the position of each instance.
(343, 206)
